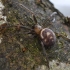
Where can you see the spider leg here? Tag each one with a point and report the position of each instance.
(40, 2)
(64, 37)
(18, 26)
(45, 54)
(33, 15)
(34, 18)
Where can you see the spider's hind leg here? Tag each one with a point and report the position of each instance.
(64, 37)
(45, 54)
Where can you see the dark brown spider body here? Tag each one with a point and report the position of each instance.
(46, 35)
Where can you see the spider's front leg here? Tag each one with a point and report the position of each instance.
(39, 2)
(64, 37)
(34, 18)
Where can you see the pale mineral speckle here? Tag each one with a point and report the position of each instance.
(61, 65)
(42, 67)
(21, 39)
(1, 5)
(69, 59)
(55, 65)
(3, 17)
(53, 14)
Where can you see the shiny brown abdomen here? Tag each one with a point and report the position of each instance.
(48, 37)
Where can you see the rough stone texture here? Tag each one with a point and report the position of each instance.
(21, 51)
(56, 65)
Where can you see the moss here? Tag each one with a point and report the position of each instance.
(60, 44)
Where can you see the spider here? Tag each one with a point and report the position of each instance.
(47, 36)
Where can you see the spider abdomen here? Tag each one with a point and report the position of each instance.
(47, 37)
